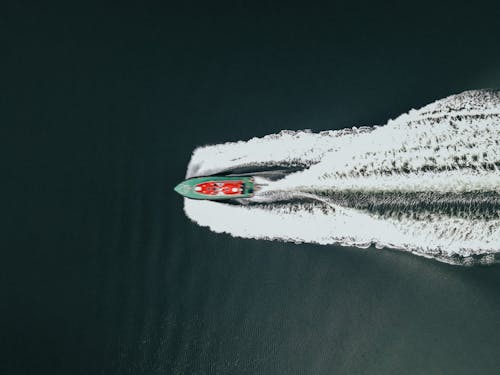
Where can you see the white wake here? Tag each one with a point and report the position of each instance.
(447, 151)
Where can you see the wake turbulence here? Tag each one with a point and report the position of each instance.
(427, 182)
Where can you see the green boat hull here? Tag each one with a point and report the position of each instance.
(187, 187)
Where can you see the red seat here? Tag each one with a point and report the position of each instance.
(220, 188)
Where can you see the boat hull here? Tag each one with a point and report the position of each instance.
(217, 187)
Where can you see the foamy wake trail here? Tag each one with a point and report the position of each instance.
(427, 182)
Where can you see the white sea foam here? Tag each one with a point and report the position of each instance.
(448, 147)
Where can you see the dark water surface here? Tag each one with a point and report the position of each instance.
(102, 273)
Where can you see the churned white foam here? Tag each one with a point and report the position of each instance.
(448, 147)
(438, 237)
(287, 148)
